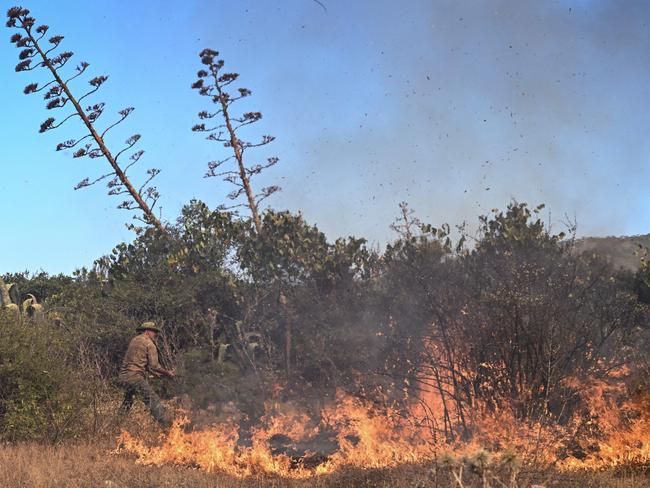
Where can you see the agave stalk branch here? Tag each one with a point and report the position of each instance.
(27, 24)
(239, 155)
(98, 139)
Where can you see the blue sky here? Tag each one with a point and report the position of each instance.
(456, 106)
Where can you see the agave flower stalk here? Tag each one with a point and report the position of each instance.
(58, 95)
(212, 82)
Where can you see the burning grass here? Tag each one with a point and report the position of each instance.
(85, 465)
(387, 456)
(610, 434)
(291, 444)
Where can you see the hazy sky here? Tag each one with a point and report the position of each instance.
(456, 106)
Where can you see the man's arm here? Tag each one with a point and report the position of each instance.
(153, 365)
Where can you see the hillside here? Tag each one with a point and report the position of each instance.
(622, 252)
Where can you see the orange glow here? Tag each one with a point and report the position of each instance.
(363, 439)
(613, 430)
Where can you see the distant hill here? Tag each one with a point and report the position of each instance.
(622, 252)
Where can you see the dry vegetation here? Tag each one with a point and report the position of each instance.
(95, 463)
(517, 339)
(86, 465)
(411, 320)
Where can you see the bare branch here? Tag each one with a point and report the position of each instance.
(266, 193)
(49, 123)
(80, 69)
(96, 82)
(61, 60)
(130, 142)
(93, 112)
(152, 173)
(135, 157)
(69, 144)
(86, 181)
(124, 113)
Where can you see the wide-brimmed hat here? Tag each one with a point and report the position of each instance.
(148, 326)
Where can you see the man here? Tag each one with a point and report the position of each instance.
(141, 358)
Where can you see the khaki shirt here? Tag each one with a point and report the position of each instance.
(141, 357)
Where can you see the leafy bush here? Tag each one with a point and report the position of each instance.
(509, 319)
(41, 394)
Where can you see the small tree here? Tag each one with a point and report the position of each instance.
(58, 94)
(212, 83)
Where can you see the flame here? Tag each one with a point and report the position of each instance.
(616, 427)
(363, 439)
(613, 431)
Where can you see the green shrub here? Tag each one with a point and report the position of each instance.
(41, 395)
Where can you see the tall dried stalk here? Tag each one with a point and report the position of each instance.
(59, 95)
(212, 83)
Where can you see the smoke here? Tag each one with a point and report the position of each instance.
(457, 108)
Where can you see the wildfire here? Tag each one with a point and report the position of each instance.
(289, 445)
(353, 433)
(615, 432)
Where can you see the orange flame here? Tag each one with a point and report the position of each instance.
(613, 431)
(363, 439)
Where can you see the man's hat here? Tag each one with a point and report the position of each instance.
(148, 326)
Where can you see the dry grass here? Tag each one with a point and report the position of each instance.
(92, 465)
(32, 465)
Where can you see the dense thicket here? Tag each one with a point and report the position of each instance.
(509, 320)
